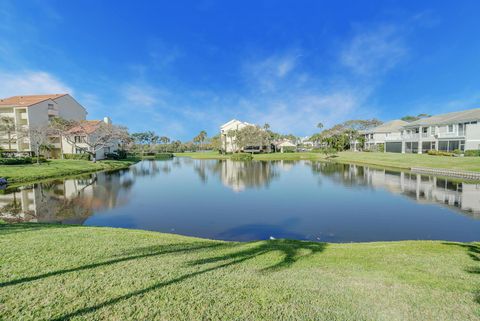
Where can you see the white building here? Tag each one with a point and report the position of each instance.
(376, 137)
(226, 134)
(85, 139)
(445, 132)
(36, 111)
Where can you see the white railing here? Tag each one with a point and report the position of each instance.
(454, 134)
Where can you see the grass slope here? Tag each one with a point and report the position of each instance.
(57, 168)
(53, 272)
(393, 160)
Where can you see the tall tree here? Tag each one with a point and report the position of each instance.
(8, 128)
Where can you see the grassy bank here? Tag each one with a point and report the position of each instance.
(52, 272)
(393, 160)
(58, 168)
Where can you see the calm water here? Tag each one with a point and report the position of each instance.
(258, 200)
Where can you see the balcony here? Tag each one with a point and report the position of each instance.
(451, 135)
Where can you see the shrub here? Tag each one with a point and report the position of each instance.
(122, 154)
(439, 153)
(457, 151)
(112, 156)
(472, 153)
(77, 156)
(163, 155)
(241, 157)
(20, 160)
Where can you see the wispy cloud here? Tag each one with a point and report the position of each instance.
(374, 51)
(31, 82)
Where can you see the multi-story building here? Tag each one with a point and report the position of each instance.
(32, 111)
(445, 132)
(376, 137)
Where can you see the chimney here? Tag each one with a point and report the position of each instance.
(107, 120)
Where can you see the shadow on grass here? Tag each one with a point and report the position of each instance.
(141, 253)
(6, 228)
(473, 250)
(292, 252)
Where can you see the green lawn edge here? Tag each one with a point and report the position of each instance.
(63, 272)
(388, 160)
(32, 173)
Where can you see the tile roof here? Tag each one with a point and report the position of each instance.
(26, 101)
(86, 127)
(449, 118)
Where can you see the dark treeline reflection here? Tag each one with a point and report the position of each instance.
(74, 200)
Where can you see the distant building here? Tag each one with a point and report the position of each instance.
(445, 132)
(227, 136)
(36, 111)
(376, 137)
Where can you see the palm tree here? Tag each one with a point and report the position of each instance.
(200, 138)
(266, 126)
(320, 125)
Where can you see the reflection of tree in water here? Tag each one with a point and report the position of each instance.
(149, 168)
(69, 201)
(348, 175)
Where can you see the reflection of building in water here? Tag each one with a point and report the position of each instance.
(423, 188)
(69, 201)
(241, 175)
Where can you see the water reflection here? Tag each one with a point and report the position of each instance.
(72, 201)
(453, 193)
(280, 199)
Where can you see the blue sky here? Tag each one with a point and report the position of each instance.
(178, 67)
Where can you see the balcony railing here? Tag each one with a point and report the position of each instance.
(454, 134)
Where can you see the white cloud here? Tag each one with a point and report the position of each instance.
(141, 95)
(266, 74)
(374, 51)
(30, 83)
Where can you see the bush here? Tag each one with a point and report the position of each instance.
(472, 153)
(241, 157)
(77, 156)
(439, 153)
(457, 152)
(122, 154)
(20, 160)
(114, 156)
(163, 156)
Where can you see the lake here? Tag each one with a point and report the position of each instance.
(243, 201)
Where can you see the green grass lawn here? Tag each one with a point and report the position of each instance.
(54, 272)
(394, 160)
(57, 168)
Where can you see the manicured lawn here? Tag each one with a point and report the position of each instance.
(52, 272)
(394, 160)
(57, 168)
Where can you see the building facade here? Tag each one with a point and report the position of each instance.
(35, 111)
(376, 137)
(227, 135)
(445, 132)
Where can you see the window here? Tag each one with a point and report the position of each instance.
(50, 106)
(432, 130)
(78, 139)
(425, 130)
(450, 128)
(417, 130)
(79, 151)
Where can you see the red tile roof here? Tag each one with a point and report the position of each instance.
(86, 127)
(27, 101)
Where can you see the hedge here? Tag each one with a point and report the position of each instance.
(20, 160)
(163, 155)
(77, 156)
(241, 157)
(472, 152)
